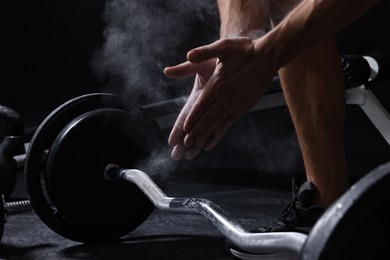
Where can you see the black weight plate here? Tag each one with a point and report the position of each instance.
(76, 164)
(357, 225)
(41, 142)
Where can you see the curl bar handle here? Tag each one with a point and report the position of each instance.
(252, 242)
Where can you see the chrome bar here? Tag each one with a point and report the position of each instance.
(273, 242)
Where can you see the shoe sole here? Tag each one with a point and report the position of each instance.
(275, 256)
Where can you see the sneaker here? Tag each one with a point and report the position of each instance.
(297, 216)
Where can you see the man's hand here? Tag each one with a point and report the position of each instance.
(203, 71)
(240, 78)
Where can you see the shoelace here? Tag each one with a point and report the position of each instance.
(296, 210)
(290, 211)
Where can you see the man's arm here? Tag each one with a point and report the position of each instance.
(310, 22)
(247, 18)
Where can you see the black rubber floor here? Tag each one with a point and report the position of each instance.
(162, 236)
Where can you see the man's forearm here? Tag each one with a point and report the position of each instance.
(242, 18)
(310, 22)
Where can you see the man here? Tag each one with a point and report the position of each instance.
(234, 72)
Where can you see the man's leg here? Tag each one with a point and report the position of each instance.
(314, 89)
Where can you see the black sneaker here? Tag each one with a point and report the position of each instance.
(297, 216)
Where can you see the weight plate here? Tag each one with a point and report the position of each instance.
(59, 169)
(357, 224)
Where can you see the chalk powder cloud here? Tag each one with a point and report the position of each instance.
(141, 37)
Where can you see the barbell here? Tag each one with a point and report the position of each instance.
(88, 179)
(345, 231)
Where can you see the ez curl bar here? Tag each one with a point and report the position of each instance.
(331, 238)
(251, 242)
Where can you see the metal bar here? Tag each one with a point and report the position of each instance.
(377, 114)
(252, 242)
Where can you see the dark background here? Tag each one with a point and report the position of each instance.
(46, 60)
